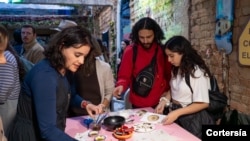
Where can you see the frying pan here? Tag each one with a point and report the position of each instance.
(113, 122)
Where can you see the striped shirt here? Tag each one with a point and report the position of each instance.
(9, 78)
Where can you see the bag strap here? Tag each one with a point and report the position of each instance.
(213, 83)
(187, 79)
(135, 55)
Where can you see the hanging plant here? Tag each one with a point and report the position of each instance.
(113, 49)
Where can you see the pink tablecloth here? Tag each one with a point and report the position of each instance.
(171, 132)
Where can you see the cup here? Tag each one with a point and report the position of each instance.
(95, 126)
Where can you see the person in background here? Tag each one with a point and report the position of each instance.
(17, 45)
(124, 44)
(10, 73)
(104, 51)
(31, 49)
(187, 108)
(146, 36)
(46, 92)
(94, 82)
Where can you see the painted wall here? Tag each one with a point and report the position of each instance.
(171, 15)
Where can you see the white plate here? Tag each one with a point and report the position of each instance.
(152, 118)
(144, 127)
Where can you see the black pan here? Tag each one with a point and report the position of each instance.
(113, 122)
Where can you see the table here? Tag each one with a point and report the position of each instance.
(173, 132)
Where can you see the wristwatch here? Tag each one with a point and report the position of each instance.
(165, 99)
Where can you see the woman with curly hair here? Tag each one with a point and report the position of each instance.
(46, 92)
(187, 108)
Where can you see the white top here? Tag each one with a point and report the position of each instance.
(182, 93)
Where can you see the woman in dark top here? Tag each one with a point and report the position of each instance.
(46, 93)
(95, 83)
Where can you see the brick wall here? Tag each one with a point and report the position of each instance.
(202, 27)
(239, 75)
(105, 18)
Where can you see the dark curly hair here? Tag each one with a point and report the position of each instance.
(68, 37)
(189, 59)
(149, 24)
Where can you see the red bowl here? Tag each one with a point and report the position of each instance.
(122, 137)
(123, 132)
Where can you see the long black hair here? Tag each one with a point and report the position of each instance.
(149, 24)
(189, 59)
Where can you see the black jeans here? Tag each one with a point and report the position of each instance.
(191, 122)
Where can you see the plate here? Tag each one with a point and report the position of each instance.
(152, 118)
(144, 127)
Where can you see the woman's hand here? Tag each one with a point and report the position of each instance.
(170, 118)
(160, 107)
(117, 91)
(93, 109)
(102, 108)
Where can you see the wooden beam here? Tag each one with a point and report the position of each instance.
(82, 2)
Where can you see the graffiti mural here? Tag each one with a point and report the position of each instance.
(224, 21)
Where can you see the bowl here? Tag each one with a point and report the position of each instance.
(100, 138)
(123, 132)
(112, 122)
(93, 133)
(122, 137)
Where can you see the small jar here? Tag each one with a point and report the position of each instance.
(95, 126)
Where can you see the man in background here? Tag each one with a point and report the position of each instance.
(31, 49)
